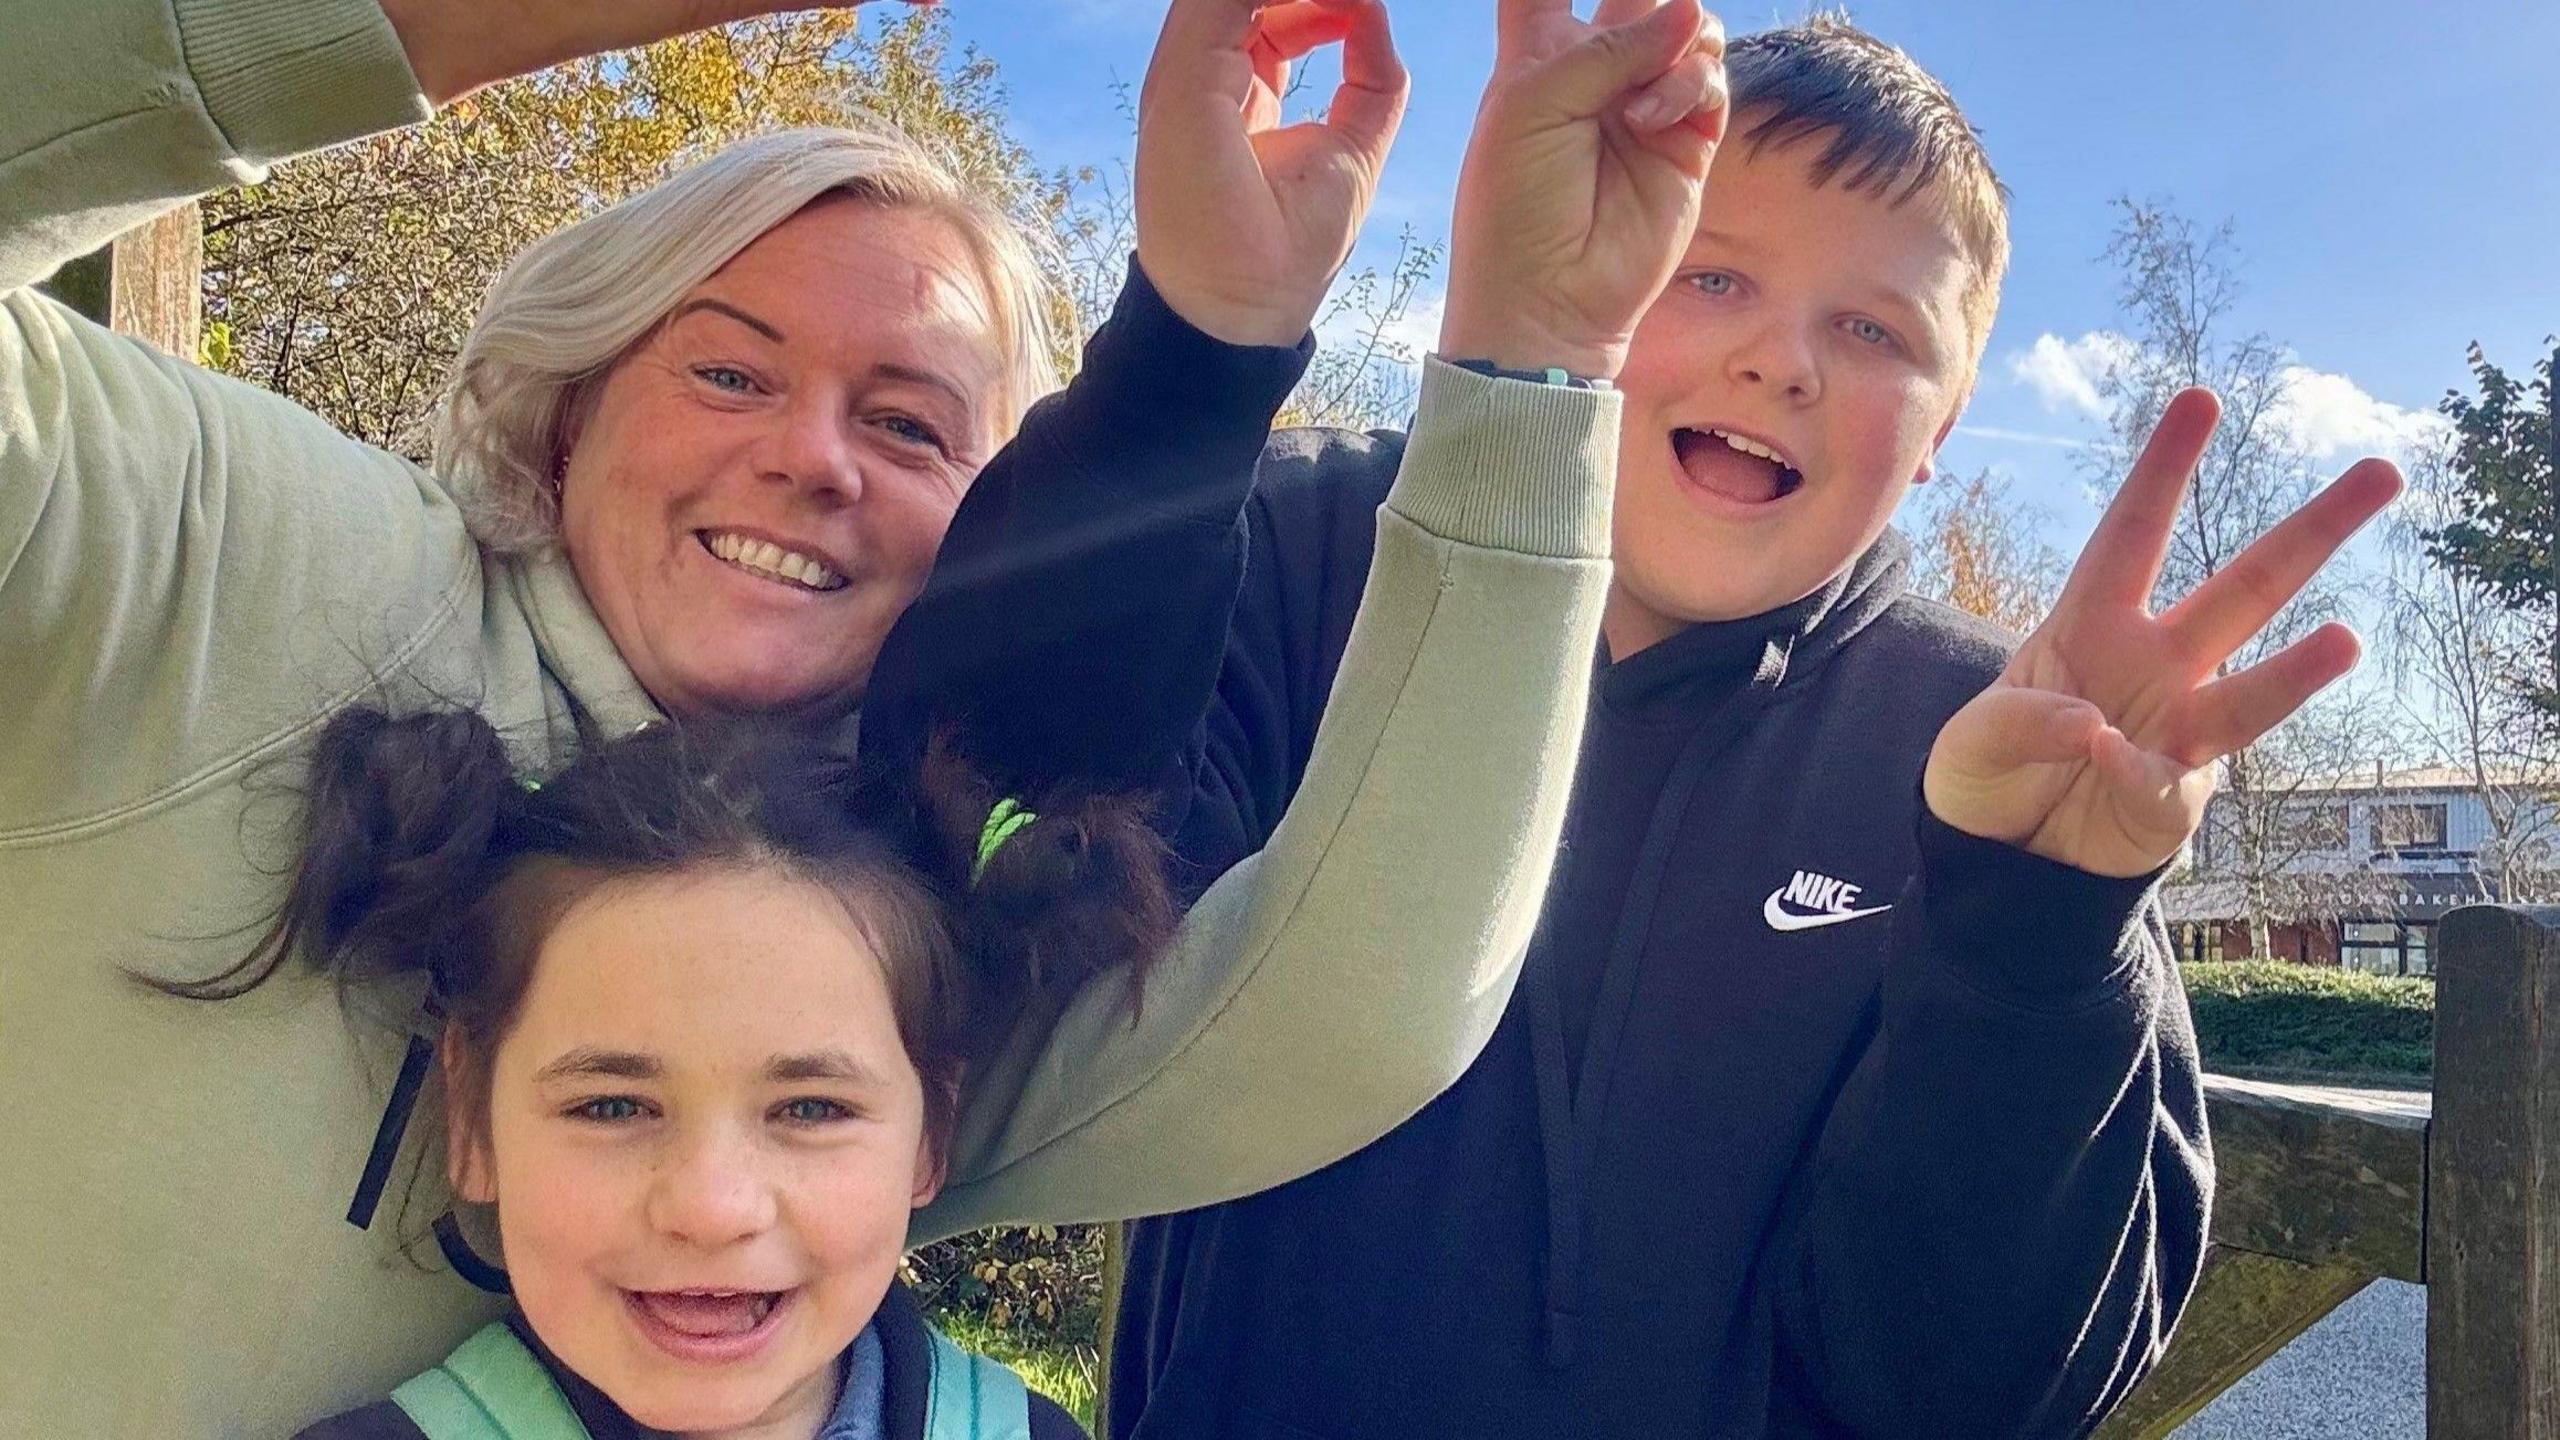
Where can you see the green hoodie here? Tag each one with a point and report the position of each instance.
(195, 573)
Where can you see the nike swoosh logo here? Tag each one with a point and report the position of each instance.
(1782, 919)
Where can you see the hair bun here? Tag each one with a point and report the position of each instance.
(1080, 890)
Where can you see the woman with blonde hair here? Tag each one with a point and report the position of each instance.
(699, 457)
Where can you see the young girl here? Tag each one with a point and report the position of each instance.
(707, 997)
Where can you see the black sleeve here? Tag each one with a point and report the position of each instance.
(1050, 1421)
(381, 1420)
(1311, 528)
(1077, 613)
(2006, 1210)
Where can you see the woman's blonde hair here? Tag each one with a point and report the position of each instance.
(563, 312)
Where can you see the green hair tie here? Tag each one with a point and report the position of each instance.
(1003, 823)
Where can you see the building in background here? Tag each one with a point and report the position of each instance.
(2372, 865)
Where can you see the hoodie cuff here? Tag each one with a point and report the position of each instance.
(1511, 464)
(1150, 369)
(2021, 928)
(280, 77)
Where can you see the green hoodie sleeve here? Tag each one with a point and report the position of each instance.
(1327, 988)
(119, 109)
(192, 570)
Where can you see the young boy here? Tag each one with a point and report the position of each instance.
(1821, 1109)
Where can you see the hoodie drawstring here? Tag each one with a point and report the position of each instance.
(1568, 1122)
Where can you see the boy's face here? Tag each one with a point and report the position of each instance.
(704, 1140)
(1824, 325)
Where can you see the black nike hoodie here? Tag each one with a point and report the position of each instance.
(1811, 1115)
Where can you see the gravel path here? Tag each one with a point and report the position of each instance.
(2360, 1374)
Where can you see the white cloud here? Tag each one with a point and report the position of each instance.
(2022, 437)
(2331, 415)
(1415, 333)
(2328, 415)
(2066, 374)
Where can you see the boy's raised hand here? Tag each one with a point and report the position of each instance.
(1242, 222)
(2097, 746)
(1581, 184)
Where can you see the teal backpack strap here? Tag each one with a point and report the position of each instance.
(492, 1388)
(973, 1397)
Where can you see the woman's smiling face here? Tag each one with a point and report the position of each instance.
(755, 492)
(704, 1138)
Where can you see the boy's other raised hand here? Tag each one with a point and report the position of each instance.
(2097, 746)
(1242, 222)
(1581, 185)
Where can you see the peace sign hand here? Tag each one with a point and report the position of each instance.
(1242, 222)
(1581, 184)
(2096, 747)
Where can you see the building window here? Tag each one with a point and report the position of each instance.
(2387, 947)
(2372, 946)
(2409, 827)
(2317, 826)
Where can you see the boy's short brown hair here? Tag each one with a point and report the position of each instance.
(1890, 128)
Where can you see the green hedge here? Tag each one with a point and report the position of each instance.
(2270, 1014)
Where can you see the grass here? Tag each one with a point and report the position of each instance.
(2268, 1015)
(1064, 1373)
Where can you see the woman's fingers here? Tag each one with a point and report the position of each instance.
(457, 46)
(2236, 602)
(2122, 559)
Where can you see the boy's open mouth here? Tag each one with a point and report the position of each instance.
(707, 1321)
(1736, 467)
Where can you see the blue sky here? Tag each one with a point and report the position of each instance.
(2393, 173)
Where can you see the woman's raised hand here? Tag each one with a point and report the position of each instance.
(2097, 746)
(1580, 189)
(457, 46)
(1243, 222)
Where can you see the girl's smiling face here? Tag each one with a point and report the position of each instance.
(704, 1137)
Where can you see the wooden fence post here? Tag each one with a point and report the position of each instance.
(2493, 1185)
(1115, 1266)
(147, 284)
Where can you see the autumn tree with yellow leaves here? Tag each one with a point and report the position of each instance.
(1976, 548)
(347, 280)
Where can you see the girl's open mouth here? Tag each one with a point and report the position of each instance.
(708, 1326)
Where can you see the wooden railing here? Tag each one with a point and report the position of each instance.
(147, 284)
(2322, 1192)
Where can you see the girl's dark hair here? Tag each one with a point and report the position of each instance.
(425, 855)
